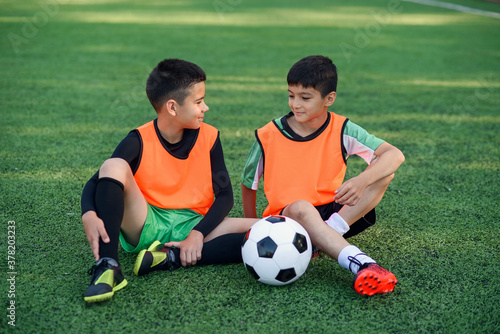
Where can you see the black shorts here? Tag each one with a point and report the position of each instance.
(326, 210)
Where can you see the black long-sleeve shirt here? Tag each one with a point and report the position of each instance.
(130, 149)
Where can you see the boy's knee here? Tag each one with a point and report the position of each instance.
(298, 209)
(115, 168)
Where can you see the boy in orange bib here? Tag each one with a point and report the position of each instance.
(165, 192)
(303, 156)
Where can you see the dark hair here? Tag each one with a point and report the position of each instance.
(172, 79)
(317, 72)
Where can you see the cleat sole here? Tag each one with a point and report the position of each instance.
(143, 263)
(106, 296)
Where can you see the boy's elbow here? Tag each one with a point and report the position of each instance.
(401, 157)
(397, 156)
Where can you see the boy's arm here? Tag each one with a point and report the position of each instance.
(223, 192)
(249, 198)
(250, 179)
(387, 161)
(191, 247)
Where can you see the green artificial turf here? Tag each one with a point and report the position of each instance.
(425, 79)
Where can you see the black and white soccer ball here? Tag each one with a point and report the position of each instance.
(276, 250)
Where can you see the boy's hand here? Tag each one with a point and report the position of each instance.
(350, 192)
(95, 230)
(190, 248)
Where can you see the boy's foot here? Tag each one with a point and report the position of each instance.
(156, 246)
(315, 252)
(156, 257)
(107, 277)
(372, 278)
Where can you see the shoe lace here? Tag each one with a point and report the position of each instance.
(353, 259)
(92, 270)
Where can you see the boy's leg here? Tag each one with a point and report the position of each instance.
(109, 208)
(222, 250)
(362, 224)
(222, 245)
(370, 199)
(131, 213)
(322, 236)
(376, 279)
(120, 205)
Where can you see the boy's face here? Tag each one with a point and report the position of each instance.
(307, 104)
(190, 113)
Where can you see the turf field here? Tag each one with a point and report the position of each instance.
(424, 78)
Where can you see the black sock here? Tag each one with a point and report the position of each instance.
(223, 249)
(109, 205)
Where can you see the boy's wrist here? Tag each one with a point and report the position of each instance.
(89, 213)
(195, 234)
(364, 178)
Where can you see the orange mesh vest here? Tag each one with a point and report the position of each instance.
(171, 183)
(309, 170)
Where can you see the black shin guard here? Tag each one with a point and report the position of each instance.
(109, 203)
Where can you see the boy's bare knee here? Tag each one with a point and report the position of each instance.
(115, 168)
(298, 209)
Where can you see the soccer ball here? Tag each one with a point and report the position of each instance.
(276, 250)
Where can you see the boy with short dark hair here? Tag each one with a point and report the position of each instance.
(166, 183)
(303, 158)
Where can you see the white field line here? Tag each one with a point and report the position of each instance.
(456, 7)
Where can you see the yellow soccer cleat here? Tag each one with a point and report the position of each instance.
(107, 277)
(156, 257)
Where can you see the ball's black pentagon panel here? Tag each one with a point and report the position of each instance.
(252, 271)
(266, 247)
(300, 242)
(286, 274)
(276, 219)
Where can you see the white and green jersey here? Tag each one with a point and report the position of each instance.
(355, 141)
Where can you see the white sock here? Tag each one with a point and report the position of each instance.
(351, 258)
(337, 223)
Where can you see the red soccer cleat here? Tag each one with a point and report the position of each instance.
(315, 252)
(372, 278)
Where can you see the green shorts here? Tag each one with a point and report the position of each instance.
(164, 225)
